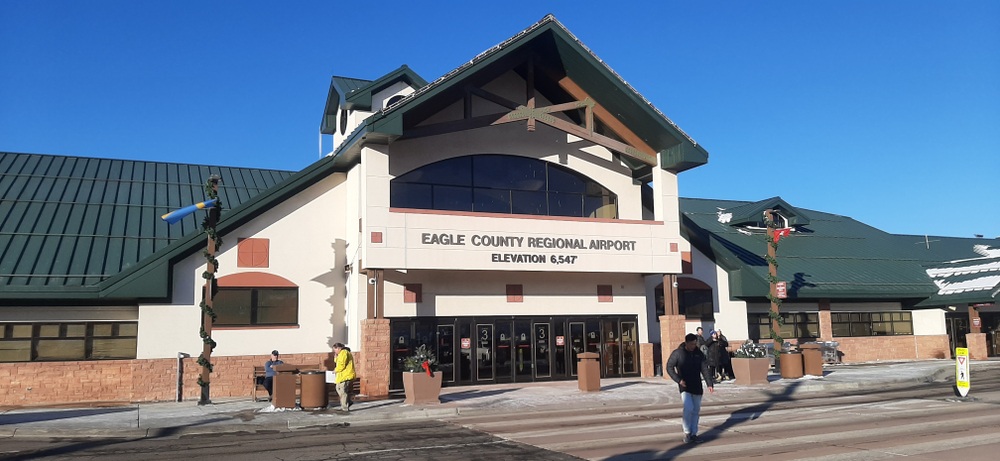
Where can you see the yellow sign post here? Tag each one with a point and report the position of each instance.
(962, 377)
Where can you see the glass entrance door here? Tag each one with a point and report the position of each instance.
(504, 352)
(630, 348)
(524, 357)
(446, 352)
(958, 327)
(543, 351)
(484, 352)
(577, 342)
(611, 356)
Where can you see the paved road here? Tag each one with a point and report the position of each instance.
(429, 440)
(921, 421)
(924, 422)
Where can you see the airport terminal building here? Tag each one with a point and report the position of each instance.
(515, 212)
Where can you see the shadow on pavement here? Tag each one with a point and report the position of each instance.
(621, 385)
(92, 444)
(32, 417)
(473, 394)
(738, 416)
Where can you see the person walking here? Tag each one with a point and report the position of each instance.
(687, 366)
(344, 374)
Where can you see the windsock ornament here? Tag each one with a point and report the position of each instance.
(779, 233)
(177, 215)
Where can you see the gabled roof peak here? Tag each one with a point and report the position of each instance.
(753, 213)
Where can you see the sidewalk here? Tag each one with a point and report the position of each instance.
(171, 419)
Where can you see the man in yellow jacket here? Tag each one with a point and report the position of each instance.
(344, 371)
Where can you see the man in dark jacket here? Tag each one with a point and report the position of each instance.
(686, 366)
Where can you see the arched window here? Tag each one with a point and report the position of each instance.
(393, 100)
(255, 298)
(695, 299)
(494, 183)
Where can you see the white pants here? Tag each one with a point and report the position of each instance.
(692, 408)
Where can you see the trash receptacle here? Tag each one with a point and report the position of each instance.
(790, 364)
(313, 393)
(284, 386)
(589, 371)
(812, 359)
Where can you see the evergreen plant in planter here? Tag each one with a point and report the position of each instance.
(750, 364)
(421, 383)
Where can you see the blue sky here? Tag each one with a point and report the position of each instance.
(884, 111)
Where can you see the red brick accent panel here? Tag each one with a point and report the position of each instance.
(977, 345)
(377, 363)
(605, 294)
(413, 293)
(876, 348)
(515, 293)
(46, 383)
(671, 335)
(646, 364)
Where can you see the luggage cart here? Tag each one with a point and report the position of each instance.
(829, 351)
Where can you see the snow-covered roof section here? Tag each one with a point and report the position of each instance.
(968, 275)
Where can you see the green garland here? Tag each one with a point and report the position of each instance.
(209, 228)
(772, 280)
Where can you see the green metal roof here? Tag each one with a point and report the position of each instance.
(560, 54)
(67, 223)
(832, 257)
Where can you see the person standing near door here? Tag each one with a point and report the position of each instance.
(687, 366)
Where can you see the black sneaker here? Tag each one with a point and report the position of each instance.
(696, 439)
(687, 438)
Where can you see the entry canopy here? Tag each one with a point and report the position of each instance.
(603, 107)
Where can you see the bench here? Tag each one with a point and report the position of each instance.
(257, 391)
(259, 394)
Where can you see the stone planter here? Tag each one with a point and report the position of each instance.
(751, 371)
(422, 389)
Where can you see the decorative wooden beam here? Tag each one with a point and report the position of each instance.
(605, 116)
(491, 97)
(543, 114)
(531, 92)
(453, 126)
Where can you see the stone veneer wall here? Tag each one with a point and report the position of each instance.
(977, 346)
(47, 383)
(882, 348)
(671, 335)
(374, 369)
(647, 367)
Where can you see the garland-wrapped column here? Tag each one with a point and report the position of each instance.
(772, 278)
(211, 286)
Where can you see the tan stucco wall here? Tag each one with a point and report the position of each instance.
(307, 247)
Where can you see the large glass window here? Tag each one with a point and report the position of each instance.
(871, 323)
(695, 304)
(237, 306)
(797, 325)
(502, 184)
(52, 341)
